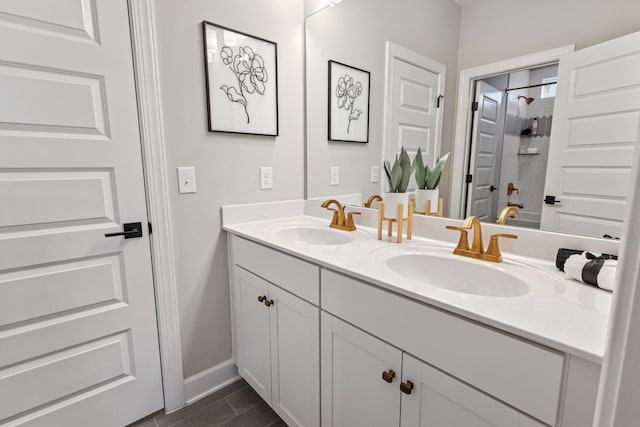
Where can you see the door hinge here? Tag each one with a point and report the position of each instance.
(150, 228)
(438, 100)
(474, 106)
(469, 178)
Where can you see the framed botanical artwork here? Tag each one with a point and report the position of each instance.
(348, 103)
(241, 73)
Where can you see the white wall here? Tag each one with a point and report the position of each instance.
(354, 32)
(313, 6)
(526, 27)
(226, 165)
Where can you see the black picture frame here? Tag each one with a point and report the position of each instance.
(241, 78)
(346, 84)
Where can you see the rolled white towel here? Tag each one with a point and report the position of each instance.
(574, 264)
(607, 275)
(588, 268)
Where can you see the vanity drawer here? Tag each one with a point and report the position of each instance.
(519, 373)
(299, 277)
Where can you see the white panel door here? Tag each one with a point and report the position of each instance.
(253, 352)
(438, 400)
(595, 130)
(78, 336)
(414, 117)
(354, 393)
(295, 358)
(482, 199)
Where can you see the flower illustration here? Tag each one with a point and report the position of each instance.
(226, 54)
(251, 65)
(250, 72)
(346, 94)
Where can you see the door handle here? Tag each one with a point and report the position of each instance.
(132, 230)
(492, 188)
(550, 200)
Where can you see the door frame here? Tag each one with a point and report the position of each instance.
(462, 130)
(154, 167)
(395, 51)
(619, 376)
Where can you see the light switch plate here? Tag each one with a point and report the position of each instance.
(266, 178)
(375, 171)
(335, 175)
(186, 180)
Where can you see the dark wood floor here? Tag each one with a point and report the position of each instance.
(236, 405)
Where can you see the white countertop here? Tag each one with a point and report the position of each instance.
(560, 313)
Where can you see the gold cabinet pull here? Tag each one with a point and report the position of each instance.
(262, 298)
(406, 387)
(389, 375)
(268, 302)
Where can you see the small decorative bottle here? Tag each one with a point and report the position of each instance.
(534, 126)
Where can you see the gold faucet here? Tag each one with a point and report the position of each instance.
(509, 211)
(338, 219)
(373, 198)
(477, 247)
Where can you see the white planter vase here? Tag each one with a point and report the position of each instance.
(391, 202)
(421, 200)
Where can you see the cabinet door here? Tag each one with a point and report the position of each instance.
(253, 352)
(438, 400)
(295, 358)
(353, 390)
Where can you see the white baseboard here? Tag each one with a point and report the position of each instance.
(210, 380)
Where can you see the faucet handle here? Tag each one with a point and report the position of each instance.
(493, 251)
(463, 242)
(349, 224)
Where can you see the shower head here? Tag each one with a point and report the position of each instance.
(528, 100)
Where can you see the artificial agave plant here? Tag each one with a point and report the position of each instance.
(427, 179)
(398, 176)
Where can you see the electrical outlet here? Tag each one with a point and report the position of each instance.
(186, 180)
(335, 175)
(266, 178)
(375, 170)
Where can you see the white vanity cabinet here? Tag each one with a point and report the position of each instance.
(300, 330)
(354, 392)
(367, 382)
(437, 399)
(276, 332)
(520, 374)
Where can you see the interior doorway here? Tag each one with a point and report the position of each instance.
(508, 153)
(77, 308)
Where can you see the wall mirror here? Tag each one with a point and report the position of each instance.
(516, 105)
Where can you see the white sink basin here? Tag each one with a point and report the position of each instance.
(313, 235)
(420, 266)
(455, 273)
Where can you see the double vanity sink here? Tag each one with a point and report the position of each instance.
(338, 328)
(429, 264)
